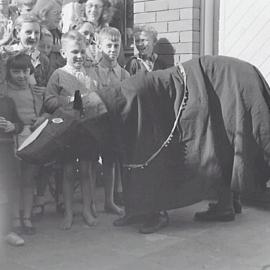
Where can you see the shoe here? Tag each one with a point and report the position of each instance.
(155, 223)
(14, 239)
(128, 220)
(237, 206)
(214, 213)
(28, 230)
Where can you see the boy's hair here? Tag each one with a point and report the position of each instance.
(72, 35)
(109, 32)
(151, 31)
(19, 61)
(24, 18)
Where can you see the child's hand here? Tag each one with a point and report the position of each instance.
(38, 121)
(39, 90)
(10, 127)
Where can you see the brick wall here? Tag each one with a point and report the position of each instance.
(178, 25)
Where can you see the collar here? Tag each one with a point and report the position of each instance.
(73, 70)
(15, 87)
(107, 64)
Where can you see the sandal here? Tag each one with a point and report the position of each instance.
(28, 229)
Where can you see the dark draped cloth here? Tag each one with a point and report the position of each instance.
(223, 135)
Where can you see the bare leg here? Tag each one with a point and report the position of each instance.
(93, 177)
(68, 178)
(28, 175)
(86, 194)
(109, 177)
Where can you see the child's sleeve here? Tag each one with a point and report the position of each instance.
(15, 118)
(53, 98)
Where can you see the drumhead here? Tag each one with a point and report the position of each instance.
(33, 135)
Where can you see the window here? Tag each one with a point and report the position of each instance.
(123, 20)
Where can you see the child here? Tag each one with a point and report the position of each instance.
(51, 50)
(29, 105)
(14, 11)
(110, 73)
(60, 92)
(88, 30)
(147, 60)
(10, 124)
(27, 32)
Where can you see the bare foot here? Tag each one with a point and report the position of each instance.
(89, 219)
(93, 209)
(67, 222)
(114, 209)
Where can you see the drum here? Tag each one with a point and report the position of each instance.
(51, 138)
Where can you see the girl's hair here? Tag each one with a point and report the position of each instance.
(107, 13)
(151, 31)
(24, 18)
(18, 61)
(109, 32)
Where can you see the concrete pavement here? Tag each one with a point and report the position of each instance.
(184, 245)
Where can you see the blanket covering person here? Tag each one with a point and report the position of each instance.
(223, 134)
(222, 137)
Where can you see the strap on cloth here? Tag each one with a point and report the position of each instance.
(169, 138)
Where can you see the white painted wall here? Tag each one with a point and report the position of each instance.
(244, 32)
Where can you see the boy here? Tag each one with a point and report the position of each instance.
(60, 92)
(51, 50)
(110, 73)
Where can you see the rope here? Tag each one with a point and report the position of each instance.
(170, 137)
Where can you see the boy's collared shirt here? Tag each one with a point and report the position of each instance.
(64, 82)
(110, 74)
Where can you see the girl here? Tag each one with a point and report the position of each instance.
(29, 105)
(10, 124)
(27, 32)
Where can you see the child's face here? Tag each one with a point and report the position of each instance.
(74, 53)
(45, 45)
(53, 16)
(19, 77)
(88, 31)
(144, 43)
(110, 48)
(26, 7)
(29, 35)
(93, 10)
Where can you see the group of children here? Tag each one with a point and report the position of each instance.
(35, 86)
